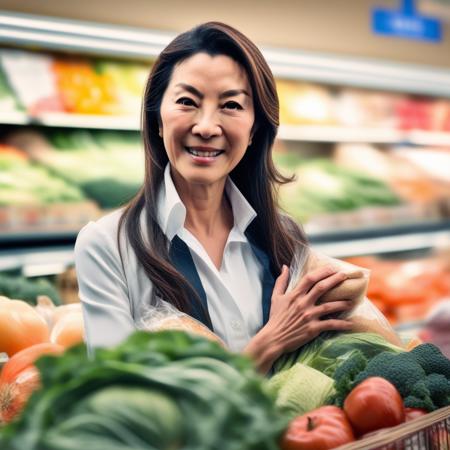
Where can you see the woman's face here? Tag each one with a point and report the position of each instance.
(206, 117)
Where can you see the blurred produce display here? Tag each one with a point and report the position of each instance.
(416, 175)
(365, 186)
(68, 175)
(42, 83)
(27, 289)
(407, 291)
(305, 104)
(310, 104)
(31, 77)
(62, 177)
(55, 83)
(24, 183)
(321, 187)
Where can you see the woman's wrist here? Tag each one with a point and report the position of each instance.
(263, 350)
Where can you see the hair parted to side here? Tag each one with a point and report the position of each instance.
(255, 175)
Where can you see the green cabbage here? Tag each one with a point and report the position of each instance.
(301, 389)
(326, 352)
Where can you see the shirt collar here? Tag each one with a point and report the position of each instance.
(172, 212)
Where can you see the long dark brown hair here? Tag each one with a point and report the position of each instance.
(255, 175)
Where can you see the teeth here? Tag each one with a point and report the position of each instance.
(203, 154)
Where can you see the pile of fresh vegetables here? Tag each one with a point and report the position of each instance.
(23, 325)
(176, 390)
(337, 389)
(164, 390)
(27, 332)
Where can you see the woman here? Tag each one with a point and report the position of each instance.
(204, 233)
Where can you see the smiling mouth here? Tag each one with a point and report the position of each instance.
(203, 154)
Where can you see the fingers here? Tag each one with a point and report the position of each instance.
(281, 282)
(332, 308)
(331, 325)
(312, 278)
(323, 286)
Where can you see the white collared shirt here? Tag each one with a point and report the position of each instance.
(115, 296)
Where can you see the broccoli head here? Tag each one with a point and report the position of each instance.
(402, 370)
(432, 359)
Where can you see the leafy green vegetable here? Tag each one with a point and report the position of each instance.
(28, 290)
(301, 389)
(166, 390)
(326, 352)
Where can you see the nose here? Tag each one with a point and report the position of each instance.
(207, 125)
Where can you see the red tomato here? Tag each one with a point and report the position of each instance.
(375, 403)
(414, 413)
(322, 429)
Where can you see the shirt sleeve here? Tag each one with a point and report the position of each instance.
(103, 289)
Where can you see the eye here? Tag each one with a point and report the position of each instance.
(186, 101)
(232, 105)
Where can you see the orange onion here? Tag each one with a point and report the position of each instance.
(68, 330)
(19, 378)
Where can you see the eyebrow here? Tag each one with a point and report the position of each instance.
(197, 93)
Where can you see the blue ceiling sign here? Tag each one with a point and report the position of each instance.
(406, 23)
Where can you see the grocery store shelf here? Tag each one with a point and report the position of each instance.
(336, 133)
(17, 29)
(89, 121)
(14, 118)
(427, 138)
(37, 262)
(383, 240)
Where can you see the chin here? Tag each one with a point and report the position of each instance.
(202, 175)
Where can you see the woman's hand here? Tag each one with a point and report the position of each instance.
(295, 318)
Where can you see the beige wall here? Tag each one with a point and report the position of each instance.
(337, 26)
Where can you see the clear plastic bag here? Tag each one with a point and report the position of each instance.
(365, 316)
(164, 316)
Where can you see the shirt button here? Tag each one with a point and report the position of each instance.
(236, 325)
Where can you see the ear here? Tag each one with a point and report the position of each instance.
(160, 132)
(250, 140)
